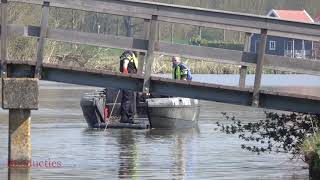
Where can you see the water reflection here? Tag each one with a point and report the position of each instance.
(128, 154)
(19, 173)
(310, 91)
(180, 154)
(182, 150)
(179, 166)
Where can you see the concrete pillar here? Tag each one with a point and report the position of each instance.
(19, 136)
(19, 162)
(20, 96)
(19, 174)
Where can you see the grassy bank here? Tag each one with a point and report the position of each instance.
(162, 64)
(311, 152)
(108, 59)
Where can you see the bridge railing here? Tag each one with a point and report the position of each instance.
(152, 13)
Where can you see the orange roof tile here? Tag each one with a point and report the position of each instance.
(294, 15)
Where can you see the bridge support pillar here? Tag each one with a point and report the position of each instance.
(243, 69)
(19, 138)
(142, 55)
(19, 96)
(259, 68)
(152, 43)
(243, 74)
(19, 173)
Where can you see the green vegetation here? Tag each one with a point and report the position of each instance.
(162, 64)
(233, 45)
(311, 151)
(311, 144)
(295, 133)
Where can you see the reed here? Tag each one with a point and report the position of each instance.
(163, 65)
(311, 144)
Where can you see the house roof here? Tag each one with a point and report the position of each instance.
(292, 15)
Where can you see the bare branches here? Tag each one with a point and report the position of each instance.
(278, 132)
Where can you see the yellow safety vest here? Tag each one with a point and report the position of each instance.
(176, 74)
(133, 59)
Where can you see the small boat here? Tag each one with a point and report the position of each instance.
(173, 113)
(101, 109)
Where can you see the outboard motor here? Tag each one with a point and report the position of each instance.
(101, 110)
(93, 108)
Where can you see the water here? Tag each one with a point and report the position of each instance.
(59, 135)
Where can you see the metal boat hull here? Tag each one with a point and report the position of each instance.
(162, 113)
(173, 113)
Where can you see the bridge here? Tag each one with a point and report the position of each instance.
(20, 78)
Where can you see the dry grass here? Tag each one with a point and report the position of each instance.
(310, 144)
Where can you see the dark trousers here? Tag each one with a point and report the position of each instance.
(126, 109)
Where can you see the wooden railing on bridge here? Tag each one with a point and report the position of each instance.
(152, 13)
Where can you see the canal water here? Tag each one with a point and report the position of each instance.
(60, 137)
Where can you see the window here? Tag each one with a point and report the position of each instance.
(272, 45)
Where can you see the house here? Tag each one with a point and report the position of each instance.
(317, 19)
(282, 46)
(316, 45)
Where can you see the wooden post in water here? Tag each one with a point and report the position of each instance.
(150, 54)
(4, 34)
(259, 68)
(41, 40)
(243, 69)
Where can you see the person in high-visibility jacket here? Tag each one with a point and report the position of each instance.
(180, 71)
(128, 65)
